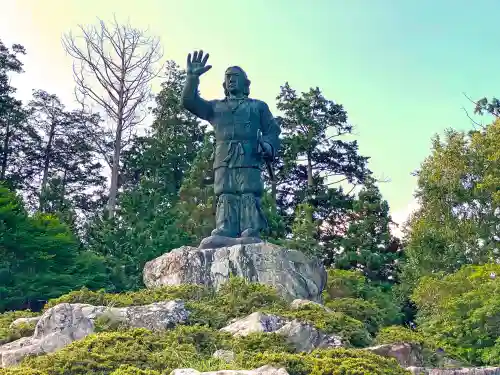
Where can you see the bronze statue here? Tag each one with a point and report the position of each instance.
(246, 136)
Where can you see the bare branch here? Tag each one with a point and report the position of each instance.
(114, 67)
(474, 122)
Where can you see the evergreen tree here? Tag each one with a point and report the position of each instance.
(304, 231)
(147, 222)
(368, 244)
(68, 175)
(313, 156)
(16, 136)
(39, 257)
(196, 208)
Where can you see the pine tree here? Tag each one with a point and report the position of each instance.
(68, 174)
(368, 244)
(314, 157)
(16, 136)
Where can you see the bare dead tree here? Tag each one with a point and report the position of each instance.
(113, 68)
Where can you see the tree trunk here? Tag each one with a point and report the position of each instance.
(5, 152)
(46, 164)
(115, 170)
(309, 171)
(310, 182)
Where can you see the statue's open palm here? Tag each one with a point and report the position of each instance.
(197, 64)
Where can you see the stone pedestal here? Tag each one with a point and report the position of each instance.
(295, 275)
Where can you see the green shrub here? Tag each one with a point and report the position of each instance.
(105, 352)
(261, 342)
(461, 313)
(131, 370)
(326, 362)
(236, 298)
(239, 297)
(399, 334)
(186, 292)
(8, 334)
(21, 371)
(365, 311)
(353, 284)
(141, 352)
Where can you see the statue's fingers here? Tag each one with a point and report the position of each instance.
(189, 59)
(200, 55)
(204, 61)
(205, 69)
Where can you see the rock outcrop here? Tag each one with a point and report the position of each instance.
(295, 275)
(406, 354)
(225, 355)
(304, 337)
(21, 321)
(65, 323)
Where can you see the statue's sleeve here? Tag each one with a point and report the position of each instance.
(192, 101)
(270, 128)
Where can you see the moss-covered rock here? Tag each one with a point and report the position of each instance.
(352, 331)
(8, 333)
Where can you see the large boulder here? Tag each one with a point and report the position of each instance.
(294, 274)
(406, 354)
(65, 323)
(302, 336)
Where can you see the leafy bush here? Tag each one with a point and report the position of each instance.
(8, 334)
(353, 284)
(365, 311)
(326, 362)
(141, 352)
(461, 312)
(399, 334)
(131, 370)
(236, 298)
(186, 292)
(116, 350)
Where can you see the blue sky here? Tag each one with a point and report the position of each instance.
(399, 67)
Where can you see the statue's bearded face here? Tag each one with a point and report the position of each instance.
(235, 81)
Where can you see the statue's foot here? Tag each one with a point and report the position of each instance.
(250, 232)
(215, 242)
(221, 232)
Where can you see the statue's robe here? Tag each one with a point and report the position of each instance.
(240, 126)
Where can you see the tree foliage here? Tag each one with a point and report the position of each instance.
(368, 244)
(39, 257)
(461, 312)
(457, 222)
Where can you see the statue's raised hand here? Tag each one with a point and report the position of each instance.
(196, 65)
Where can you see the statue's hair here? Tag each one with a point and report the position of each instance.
(246, 89)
